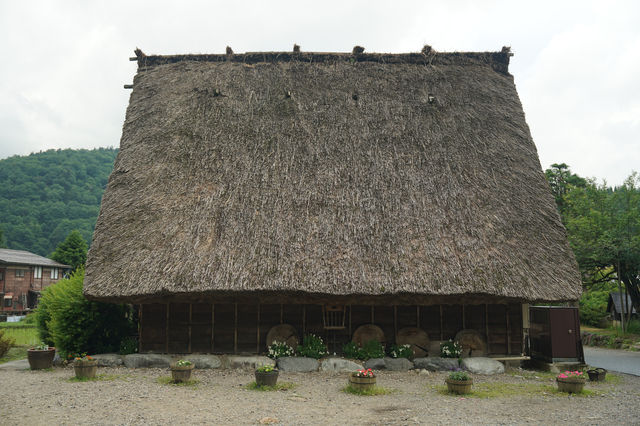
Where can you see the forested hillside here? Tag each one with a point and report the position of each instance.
(46, 195)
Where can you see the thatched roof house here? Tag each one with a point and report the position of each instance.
(328, 176)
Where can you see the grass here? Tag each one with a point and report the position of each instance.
(282, 386)
(376, 390)
(168, 380)
(24, 335)
(14, 354)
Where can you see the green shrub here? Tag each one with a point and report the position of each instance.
(6, 343)
(42, 317)
(450, 349)
(312, 347)
(372, 349)
(79, 325)
(459, 375)
(29, 320)
(593, 307)
(279, 350)
(351, 350)
(128, 345)
(400, 351)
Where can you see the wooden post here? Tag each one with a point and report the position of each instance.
(395, 321)
(486, 325)
(213, 321)
(441, 331)
(508, 330)
(350, 330)
(235, 328)
(304, 319)
(281, 314)
(140, 328)
(418, 316)
(190, 320)
(166, 343)
(463, 317)
(372, 316)
(258, 333)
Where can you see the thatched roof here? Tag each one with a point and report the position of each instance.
(328, 174)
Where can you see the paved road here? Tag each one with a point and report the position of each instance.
(613, 360)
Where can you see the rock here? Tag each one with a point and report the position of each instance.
(482, 365)
(204, 361)
(375, 364)
(249, 361)
(297, 364)
(423, 372)
(397, 364)
(56, 359)
(433, 363)
(108, 360)
(339, 365)
(147, 361)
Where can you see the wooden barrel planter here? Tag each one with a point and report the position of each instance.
(41, 359)
(266, 378)
(597, 374)
(181, 373)
(85, 369)
(460, 387)
(570, 384)
(362, 383)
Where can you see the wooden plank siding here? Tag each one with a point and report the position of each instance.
(242, 328)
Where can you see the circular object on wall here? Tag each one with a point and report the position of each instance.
(473, 342)
(417, 338)
(283, 333)
(368, 332)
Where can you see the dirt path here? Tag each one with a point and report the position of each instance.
(125, 396)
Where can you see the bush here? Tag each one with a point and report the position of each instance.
(6, 343)
(593, 307)
(400, 351)
(450, 349)
(312, 347)
(351, 350)
(372, 349)
(279, 350)
(78, 325)
(128, 345)
(42, 317)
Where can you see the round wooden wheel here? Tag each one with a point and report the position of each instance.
(473, 343)
(417, 338)
(283, 333)
(368, 332)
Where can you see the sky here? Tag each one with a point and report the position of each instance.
(576, 63)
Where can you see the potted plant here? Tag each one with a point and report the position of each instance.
(267, 375)
(362, 379)
(597, 374)
(41, 357)
(570, 381)
(181, 370)
(85, 366)
(459, 382)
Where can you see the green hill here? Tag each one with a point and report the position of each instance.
(45, 195)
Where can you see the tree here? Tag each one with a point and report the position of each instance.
(604, 231)
(3, 243)
(562, 181)
(72, 251)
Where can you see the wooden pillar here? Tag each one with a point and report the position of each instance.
(140, 328)
(213, 324)
(190, 320)
(258, 332)
(418, 316)
(464, 325)
(235, 328)
(441, 331)
(486, 325)
(395, 321)
(372, 316)
(304, 319)
(508, 330)
(350, 329)
(281, 314)
(166, 340)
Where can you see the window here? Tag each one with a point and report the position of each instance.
(37, 272)
(8, 300)
(54, 273)
(19, 273)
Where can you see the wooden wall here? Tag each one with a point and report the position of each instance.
(241, 328)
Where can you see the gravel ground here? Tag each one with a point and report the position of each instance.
(124, 396)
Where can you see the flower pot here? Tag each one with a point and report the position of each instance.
(85, 369)
(459, 386)
(181, 373)
(597, 374)
(362, 383)
(570, 384)
(266, 378)
(41, 359)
